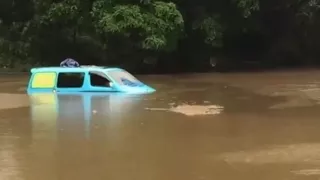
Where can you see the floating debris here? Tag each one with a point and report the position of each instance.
(295, 153)
(192, 110)
(307, 172)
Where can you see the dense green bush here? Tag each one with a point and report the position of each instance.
(178, 34)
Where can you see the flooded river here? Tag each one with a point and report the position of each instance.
(246, 126)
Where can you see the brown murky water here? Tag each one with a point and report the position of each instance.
(245, 126)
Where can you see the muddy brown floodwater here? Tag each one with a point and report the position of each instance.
(245, 126)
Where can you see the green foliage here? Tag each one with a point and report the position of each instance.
(63, 12)
(212, 29)
(308, 9)
(248, 6)
(151, 25)
(46, 31)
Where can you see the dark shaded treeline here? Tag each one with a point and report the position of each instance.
(161, 36)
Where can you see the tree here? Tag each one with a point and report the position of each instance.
(153, 25)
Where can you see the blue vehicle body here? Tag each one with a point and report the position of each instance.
(45, 79)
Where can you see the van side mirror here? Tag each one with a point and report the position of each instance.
(110, 84)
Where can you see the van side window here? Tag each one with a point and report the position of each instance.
(70, 80)
(98, 80)
(44, 80)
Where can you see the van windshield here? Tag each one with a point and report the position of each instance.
(124, 78)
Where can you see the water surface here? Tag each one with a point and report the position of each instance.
(244, 126)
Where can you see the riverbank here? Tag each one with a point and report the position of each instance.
(26, 69)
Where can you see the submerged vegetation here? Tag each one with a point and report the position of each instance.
(160, 36)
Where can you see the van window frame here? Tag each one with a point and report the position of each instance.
(74, 72)
(43, 72)
(101, 74)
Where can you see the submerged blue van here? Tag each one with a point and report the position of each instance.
(84, 79)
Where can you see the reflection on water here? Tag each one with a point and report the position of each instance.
(50, 110)
(65, 128)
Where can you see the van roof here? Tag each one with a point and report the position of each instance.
(74, 69)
